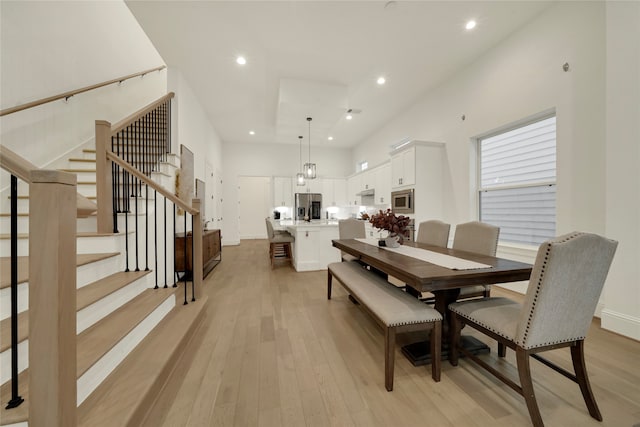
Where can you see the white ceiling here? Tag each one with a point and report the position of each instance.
(319, 58)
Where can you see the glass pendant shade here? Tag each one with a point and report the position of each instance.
(300, 179)
(309, 168)
(300, 175)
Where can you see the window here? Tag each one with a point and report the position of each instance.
(518, 182)
(364, 165)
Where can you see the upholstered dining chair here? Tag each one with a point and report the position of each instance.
(434, 232)
(279, 244)
(351, 229)
(480, 238)
(565, 285)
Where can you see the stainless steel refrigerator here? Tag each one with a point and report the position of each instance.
(308, 206)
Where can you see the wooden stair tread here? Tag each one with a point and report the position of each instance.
(21, 413)
(78, 234)
(6, 215)
(82, 160)
(123, 398)
(5, 331)
(23, 266)
(87, 295)
(72, 170)
(98, 339)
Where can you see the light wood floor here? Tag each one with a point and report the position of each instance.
(274, 352)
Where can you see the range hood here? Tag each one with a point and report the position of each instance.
(366, 193)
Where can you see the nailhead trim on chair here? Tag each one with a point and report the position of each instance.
(535, 298)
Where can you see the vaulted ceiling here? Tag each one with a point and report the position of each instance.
(320, 58)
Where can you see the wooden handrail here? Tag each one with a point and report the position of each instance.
(122, 124)
(15, 164)
(142, 177)
(69, 94)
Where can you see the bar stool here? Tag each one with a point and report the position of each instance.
(279, 245)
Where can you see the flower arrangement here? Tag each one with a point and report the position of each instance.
(387, 220)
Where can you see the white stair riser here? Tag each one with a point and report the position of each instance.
(88, 155)
(5, 224)
(5, 300)
(89, 273)
(5, 361)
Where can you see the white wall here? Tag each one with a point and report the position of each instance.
(271, 160)
(622, 294)
(47, 48)
(192, 128)
(597, 131)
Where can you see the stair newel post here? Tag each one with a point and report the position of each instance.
(196, 264)
(104, 189)
(52, 299)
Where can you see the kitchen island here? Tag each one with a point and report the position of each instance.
(312, 249)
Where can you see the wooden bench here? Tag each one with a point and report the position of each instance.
(392, 308)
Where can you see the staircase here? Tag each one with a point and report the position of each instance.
(129, 335)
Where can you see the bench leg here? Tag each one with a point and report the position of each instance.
(389, 357)
(436, 346)
(329, 277)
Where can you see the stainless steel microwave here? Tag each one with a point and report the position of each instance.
(402, 202)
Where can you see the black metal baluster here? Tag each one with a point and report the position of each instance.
(125, 196)
(168, 129)
(166, 263)
(114, 191)
(184, 276)
(155, 234)
(175, 272)
(146, 205)
(16, 400)
(193, 274)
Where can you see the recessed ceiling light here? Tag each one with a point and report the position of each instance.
(251, 132)
(349, 117)
(470, 25)
(330, 138)
(381, 80)
(241, 60)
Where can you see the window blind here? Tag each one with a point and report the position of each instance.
(517, 182)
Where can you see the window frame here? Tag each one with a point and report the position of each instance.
(477, 152)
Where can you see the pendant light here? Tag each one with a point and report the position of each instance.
(310, 168)
(300, 175)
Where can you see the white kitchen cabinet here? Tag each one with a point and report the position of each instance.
(354, 186)
(367, 179)
(334, 192)
(282, 191)
(312, 186)
(312, 248)
(383, 184)
(403, 168)
(425, 163)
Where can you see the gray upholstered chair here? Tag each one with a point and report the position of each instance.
(279, 244)
(480, 238)
(351, 229)
(564, 288)
(434, 232)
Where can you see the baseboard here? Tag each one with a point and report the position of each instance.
(230, 242)
(621, 323)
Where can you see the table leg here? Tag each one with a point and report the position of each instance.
(418, 353)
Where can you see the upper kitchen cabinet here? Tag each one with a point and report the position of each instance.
(420, 165)
(383, 184)
(354, 187)
(403, 168)
(334, 192)
(367, 180)
(282, 191)
(311, 186)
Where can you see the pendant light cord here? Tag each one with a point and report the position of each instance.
(309, 120)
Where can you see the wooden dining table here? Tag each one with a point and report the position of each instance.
(444, 283)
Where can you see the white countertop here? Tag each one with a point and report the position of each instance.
(296, 224)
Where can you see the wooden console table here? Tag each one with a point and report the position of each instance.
(211, 251)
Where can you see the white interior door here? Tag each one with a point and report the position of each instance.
(217, 199)
(210, 197)
(254, 195)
